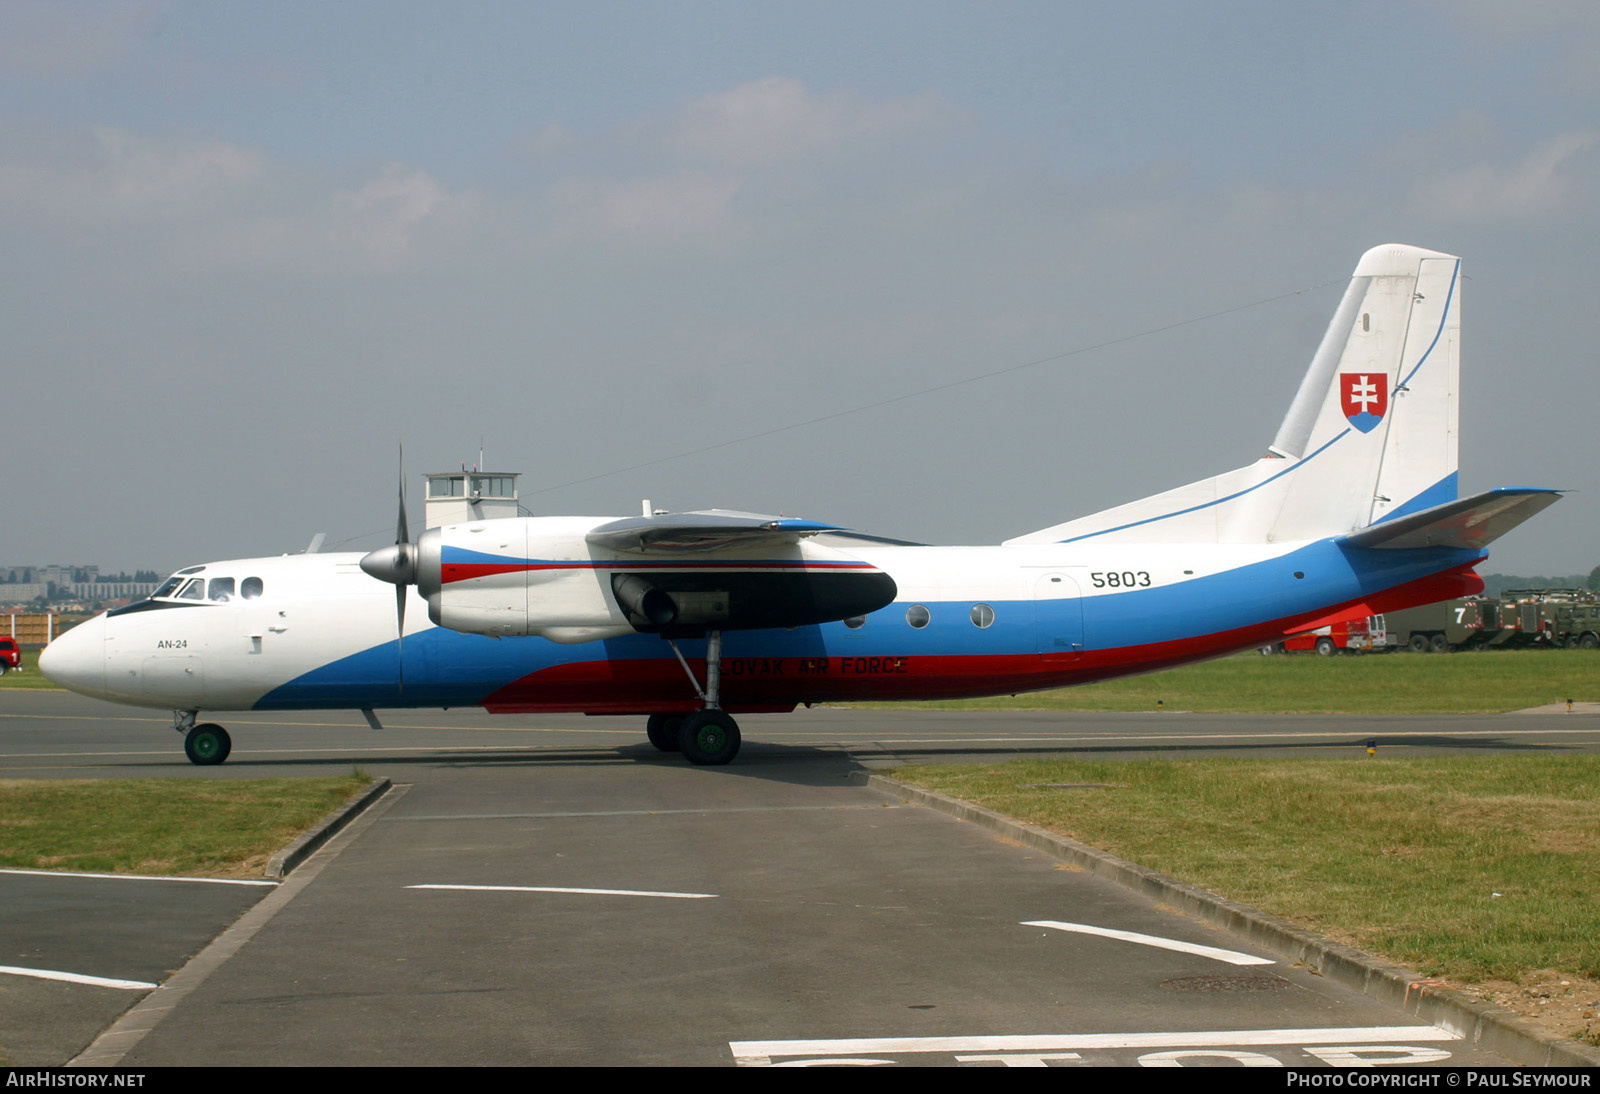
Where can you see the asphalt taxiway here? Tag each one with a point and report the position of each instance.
(551, 890)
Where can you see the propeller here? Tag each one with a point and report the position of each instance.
(398, 566)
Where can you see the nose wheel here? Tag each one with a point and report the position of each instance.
(207, 744)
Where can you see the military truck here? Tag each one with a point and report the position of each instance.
(1551, 617)
(1445, 626)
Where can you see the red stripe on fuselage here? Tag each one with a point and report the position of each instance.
(766, 684)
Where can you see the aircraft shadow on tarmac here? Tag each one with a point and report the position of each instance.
(800, 765)
(809, 765)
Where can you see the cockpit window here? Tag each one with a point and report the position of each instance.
(221, 588)
(168, 587)
(250, 588)
(195, 590)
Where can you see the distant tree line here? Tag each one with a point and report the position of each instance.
(1497, 584)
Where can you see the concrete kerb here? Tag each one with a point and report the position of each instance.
(1485, 1025)
(325, 829)
(124, 1035)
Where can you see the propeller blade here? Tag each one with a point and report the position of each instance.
(402, 532)
(398, 566)
(402, 542)
(400, 620)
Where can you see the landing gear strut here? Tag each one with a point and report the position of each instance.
(709, 737)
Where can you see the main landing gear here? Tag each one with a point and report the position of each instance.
(709, 737)
(205, 744)
(662, 730)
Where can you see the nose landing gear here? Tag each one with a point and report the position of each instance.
(205, 744)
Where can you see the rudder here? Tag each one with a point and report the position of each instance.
(1372, 433)
(1374, 426)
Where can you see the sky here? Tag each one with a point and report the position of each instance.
(943, 272)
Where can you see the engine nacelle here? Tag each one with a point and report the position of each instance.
(541, 576)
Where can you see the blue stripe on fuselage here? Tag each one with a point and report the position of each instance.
(447, 668)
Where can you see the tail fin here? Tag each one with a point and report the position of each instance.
(1371, 434)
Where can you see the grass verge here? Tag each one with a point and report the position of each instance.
(195, 827)
(1392, 683)
(30, 678)
(1470, 868)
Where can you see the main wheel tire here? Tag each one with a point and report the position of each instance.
(663, 731)
(207, 744)
(1589, 642)
(1419, 643)
(708, 738)
(1440, 644)
(1326, 647)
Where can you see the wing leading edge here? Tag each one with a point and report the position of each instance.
(704, 531)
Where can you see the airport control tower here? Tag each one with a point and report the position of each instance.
(457, 497)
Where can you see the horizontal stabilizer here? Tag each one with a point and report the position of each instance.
(1469, 523)
(702, 531)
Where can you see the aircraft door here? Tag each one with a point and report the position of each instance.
(1058, 617)
(246, 630)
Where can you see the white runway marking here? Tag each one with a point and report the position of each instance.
(1232, 957)
(140, 877)
(76, 978)
(746, 1052)
(557, 889)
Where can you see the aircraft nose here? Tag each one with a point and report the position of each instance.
(77, 660)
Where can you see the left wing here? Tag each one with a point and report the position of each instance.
(751, 571)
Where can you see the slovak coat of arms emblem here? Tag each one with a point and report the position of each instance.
(1364, 398)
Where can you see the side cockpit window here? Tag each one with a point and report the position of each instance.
(250, 588)
(194, 590)
(220, 589)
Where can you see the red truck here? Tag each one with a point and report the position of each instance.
(1352, 634)
(10, 655)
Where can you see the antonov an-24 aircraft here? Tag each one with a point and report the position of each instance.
(691, 618)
